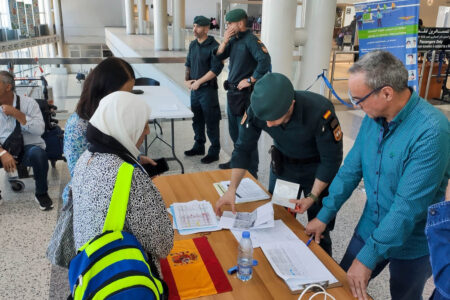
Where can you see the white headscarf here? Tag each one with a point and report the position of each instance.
(123, 116)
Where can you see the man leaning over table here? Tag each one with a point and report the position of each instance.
(402, 152)
(307, 141)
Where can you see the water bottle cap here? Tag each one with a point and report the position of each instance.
(245, 234)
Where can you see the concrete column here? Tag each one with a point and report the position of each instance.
(222, 17)
(49, 20)
(160, 27)
(320, 16)
(141, 16)
(129, 16)
(278, 36)
(179, 24)
(59, 25)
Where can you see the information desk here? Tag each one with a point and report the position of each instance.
(265, 284)
(165, 105)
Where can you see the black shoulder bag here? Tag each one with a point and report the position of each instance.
(14, 143)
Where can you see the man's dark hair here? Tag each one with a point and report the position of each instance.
(107, 77)
(8, 78)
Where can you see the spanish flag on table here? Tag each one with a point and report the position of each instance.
(192, 270)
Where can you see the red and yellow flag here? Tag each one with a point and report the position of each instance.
(192, 270)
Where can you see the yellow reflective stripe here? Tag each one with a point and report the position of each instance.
(119, 200)
(102, 241)
(119, 255)
(124, 283)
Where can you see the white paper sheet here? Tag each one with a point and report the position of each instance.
(194, 215)
(262, 217)
(247, 191)
(296, 264)
(279, 233)
(283, 191)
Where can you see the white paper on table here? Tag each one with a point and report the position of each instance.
(279, 233)
(247, 191)
(296, 264)
(283, 191)
(194, 215)
(262, 217)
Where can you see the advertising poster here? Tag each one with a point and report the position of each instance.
(14, 19)
(391, 26)
(22, 19)
(30, 21)
(37, 18)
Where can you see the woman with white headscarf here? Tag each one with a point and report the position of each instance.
(115, 132)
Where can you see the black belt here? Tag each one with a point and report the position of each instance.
(301, 161)
(228, 86)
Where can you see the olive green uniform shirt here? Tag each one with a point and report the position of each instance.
(310, 132)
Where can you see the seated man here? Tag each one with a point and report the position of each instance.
(32, 124)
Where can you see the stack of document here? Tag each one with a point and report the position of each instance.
(297, 265)
(247, 191)
(193, 217)
(262, 217)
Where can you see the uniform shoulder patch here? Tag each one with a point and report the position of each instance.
(337, 132)
(244, 118)
(264, 49)
(326, 115)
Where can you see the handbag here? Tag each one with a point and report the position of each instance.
(61, 248)
(14, 143)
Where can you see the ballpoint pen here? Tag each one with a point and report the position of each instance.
(235, 193)
(310, 240)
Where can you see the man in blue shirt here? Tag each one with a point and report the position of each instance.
(402, 153)
(32, 127)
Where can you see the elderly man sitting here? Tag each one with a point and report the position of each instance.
(22, 116)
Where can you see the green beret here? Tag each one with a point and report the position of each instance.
(201, 21)
(272, 97)
(235, 15)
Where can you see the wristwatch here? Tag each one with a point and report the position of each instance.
(249, 80)
(312, 196)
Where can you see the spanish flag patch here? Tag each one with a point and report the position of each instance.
(327, 114)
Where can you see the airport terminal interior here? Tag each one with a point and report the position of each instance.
(53, 45)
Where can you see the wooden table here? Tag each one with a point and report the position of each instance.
(265, 284)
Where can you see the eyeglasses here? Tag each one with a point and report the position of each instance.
(356, 102)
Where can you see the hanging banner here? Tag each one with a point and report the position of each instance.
(36, 16)
(30, 21)
(390, 26)
(14, 19)
(22, 19)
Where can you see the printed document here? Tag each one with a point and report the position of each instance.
(262, 217)
(285, 190)
(194, 216)
(296, 264)
(279, 233)
(247, 191)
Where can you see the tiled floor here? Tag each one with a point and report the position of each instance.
(25, 230)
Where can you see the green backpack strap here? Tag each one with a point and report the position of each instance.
(115, 219)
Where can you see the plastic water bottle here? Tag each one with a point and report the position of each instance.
(245, 257)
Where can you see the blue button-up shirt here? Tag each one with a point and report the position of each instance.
(438, 233)
(405, 170)
(34, 127)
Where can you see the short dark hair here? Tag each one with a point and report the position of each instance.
(107, 77)
(8, 78)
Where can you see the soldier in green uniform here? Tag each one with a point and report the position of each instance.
(249, 61)
(202, 69)
(307, 143)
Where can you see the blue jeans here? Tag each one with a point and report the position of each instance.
(234, 123)
(408, 276)
(36, 157)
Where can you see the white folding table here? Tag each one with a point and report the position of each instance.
(165, 105)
